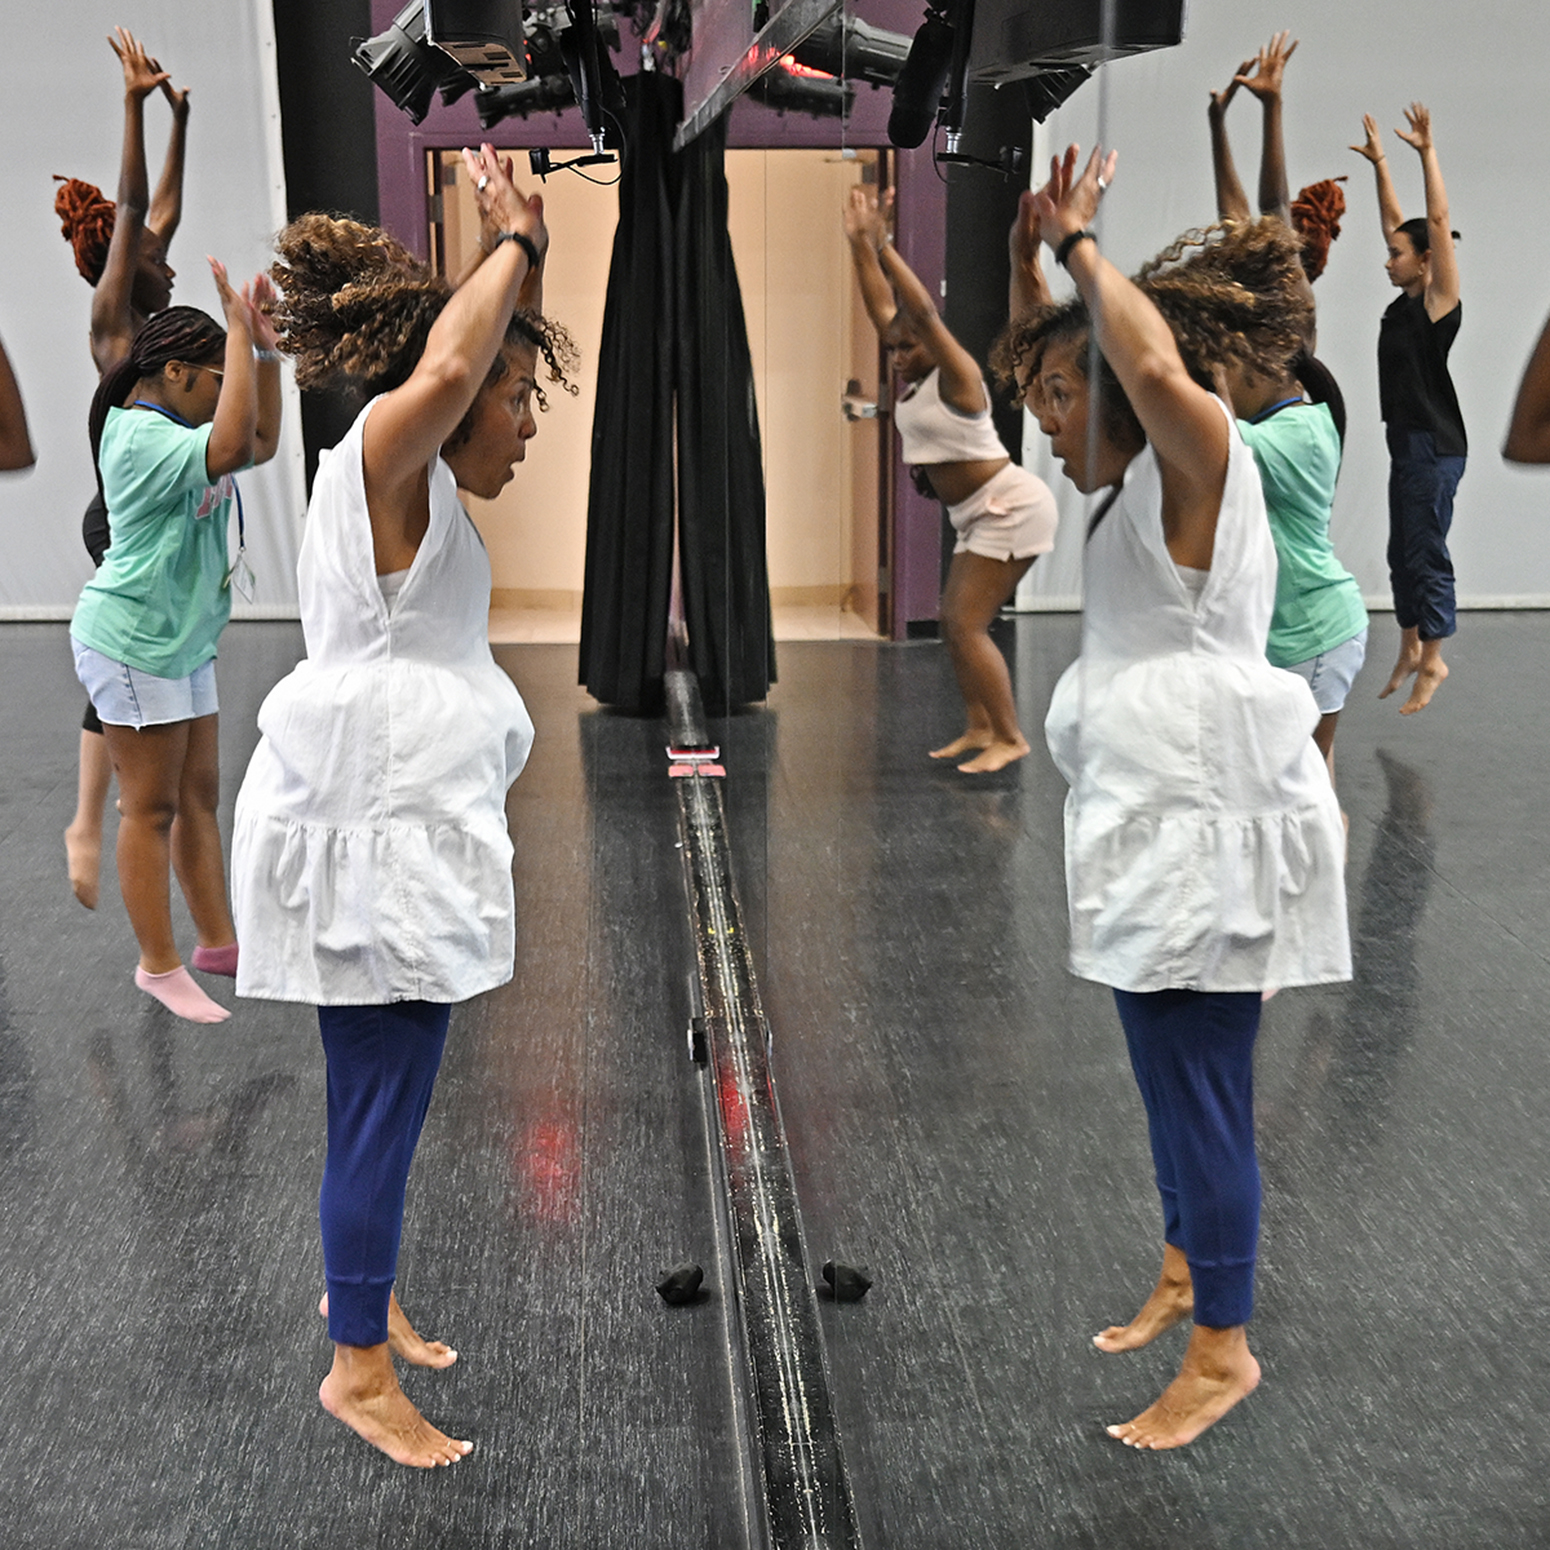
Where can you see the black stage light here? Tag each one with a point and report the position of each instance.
(1013, 38)
(853, 50)
(540, 94)
(1046, 91)
(404, 64)
(483, 36)
(918, 92)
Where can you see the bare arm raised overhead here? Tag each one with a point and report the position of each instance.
(1389, 213)
(409, 425)
(167, 202)
(1442, 275)
(1029, 288)
(112, 315)
(1232, 204)
(866, 230)
(1263, 78)
(1183, 422)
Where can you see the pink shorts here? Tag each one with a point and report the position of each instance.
(1011, 516)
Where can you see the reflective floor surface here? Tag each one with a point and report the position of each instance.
(961, 1118)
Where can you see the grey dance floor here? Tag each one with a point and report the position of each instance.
(961, 1118)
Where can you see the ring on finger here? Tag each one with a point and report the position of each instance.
(1103, 183)
(483, 183)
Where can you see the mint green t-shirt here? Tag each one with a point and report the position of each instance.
(1318, 603)
(159, 601)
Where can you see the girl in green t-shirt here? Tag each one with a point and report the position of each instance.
(187, 407)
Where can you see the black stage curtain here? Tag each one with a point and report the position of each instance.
(673, 325)
(726, 592)
(630, 500)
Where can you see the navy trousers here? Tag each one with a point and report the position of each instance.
(1193, 1056)
(382, 1065)
(1421, 489)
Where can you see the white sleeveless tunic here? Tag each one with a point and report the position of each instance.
(1204, 846)
(370, 860)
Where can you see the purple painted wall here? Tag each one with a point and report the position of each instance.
(921, 233)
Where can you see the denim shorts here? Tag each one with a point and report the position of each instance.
(126, 697)
(1331, 673)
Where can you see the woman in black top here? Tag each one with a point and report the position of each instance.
(1421, 411)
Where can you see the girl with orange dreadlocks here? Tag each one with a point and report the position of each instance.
(121, 252)
(1294, 421)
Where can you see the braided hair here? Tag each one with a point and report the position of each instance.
(178, 334)
(86, 218)
(1316, 213)
(356, 308)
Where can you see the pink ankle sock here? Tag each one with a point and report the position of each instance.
(177, 992)
(217, 960)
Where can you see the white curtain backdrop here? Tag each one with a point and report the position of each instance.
(64, 113)
(1480, 69)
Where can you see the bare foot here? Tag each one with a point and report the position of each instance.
(362, 1391)
(403, 1340)
(971, 742)
(1428, 679)
(1172, 1299)
(1218, 1370)
(83, 853)
(996, 756)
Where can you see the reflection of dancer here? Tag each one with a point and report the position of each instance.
(1319, 627)
(169, 426)
(371, 865)
(1427, 445)
(1003, 515)
(1204, 842)
(121, 251)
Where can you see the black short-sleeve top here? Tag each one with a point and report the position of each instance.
(1414, 386)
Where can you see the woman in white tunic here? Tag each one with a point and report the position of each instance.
(371, 866)
(1204, 847)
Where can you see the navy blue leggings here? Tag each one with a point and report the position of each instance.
(382, 1064)
(1421, 489)
(1193, 1055)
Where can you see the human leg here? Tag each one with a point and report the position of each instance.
(83, 838)
(1194, 1058)
(196, 837)
(382, 1064)
(977, 589)
(1421, 491)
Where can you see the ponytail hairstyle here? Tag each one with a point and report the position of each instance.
(86, 220)
(1419, 233)
(356, 308)
(178, 334)
(1318, 382)
(1316, 213)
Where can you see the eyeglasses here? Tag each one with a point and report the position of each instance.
(215, 371)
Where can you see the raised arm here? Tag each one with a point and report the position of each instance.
(1183, 422)
(1232, 204)
(167, 201)
(866, 230)
(112, 321)
(233, 440)
(1528, 432)
(1442, 274)
(406, 430)
(15, 442)
(1029, 288)
(260, 297)
(1264, 79)
(959, 379)
(531, 297)
(1389, 213)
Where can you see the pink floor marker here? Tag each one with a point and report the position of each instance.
(178, 993)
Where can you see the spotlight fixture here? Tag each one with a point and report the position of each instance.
(799, 91)
(445, 45)
(852, 50)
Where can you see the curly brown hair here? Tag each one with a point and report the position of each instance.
(1232, 295)
(86, 220)
(356, 308)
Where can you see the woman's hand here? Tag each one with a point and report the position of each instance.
(1373, 148)
(1220, 99)
(868, 219)
(176, 100)
(260, 297)
(233, 304)
(1420, 133)
(504, 208)
(1269, 65)
(1067, 203)
(142, 74)
(1023, 239)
